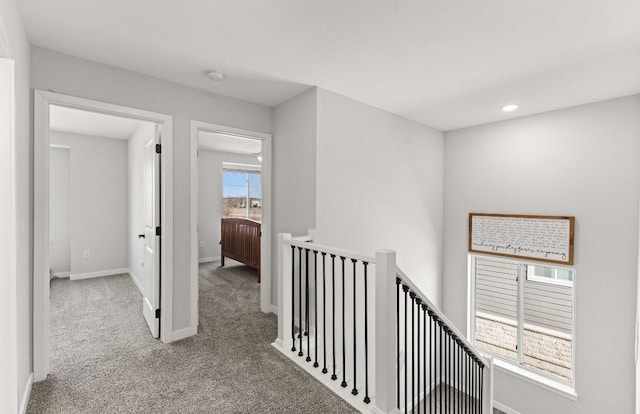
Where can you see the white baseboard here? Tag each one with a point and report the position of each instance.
(135, 281)
(110, 272)
(504, 408)
(24, 402)
(184, 333)
(209, 259)
(62, 275)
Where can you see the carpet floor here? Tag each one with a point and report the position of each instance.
(103, 359)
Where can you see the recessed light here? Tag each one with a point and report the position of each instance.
(510, 107)
(214, 75)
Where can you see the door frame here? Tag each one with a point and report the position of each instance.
(265, 242)
(9, 388)
(41, 287)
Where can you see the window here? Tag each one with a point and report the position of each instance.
(242, 194)
(523, 313)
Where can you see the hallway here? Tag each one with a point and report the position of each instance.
(104, 360)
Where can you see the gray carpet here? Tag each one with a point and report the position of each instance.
(104, 361)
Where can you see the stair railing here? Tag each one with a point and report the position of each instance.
(358, 324)
(438, 370)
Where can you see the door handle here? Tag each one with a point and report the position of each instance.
(141, 236)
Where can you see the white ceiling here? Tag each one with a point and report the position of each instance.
(228, 143)
(77, 121)
(448, 64)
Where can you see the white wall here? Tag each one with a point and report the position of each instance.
(583, 162)
(77, 77)
(99, 206)
(294, 171)
(16, 310)
(135, 176)
(210, 198)
(60, 210)
(379, 185)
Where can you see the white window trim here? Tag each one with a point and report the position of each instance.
(554, 281)
(559, 387)
(564, 388)
(241, 167)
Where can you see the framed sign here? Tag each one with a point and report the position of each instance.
(541, 238)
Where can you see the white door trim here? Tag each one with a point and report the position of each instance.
(9, 389)
(42, 100)
(265, 243)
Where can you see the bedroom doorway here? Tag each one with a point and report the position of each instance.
(231, 180)
(98, 156)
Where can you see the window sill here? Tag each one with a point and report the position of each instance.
(560, 388)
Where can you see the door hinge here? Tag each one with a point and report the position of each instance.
(158, 149)
(158, 233)
(157, 313)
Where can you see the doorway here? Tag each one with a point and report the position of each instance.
(255, 160)
(159, 217)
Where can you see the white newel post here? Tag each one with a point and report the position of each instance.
(385, 336)
(487, 391)
(311, 233)
(284, 291)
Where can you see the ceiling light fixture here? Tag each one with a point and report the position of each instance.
(214, 75)
(510, 107)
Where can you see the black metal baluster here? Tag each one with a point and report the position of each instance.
(432, 330)
(398, 342)
(441, 363)
(461, 351)
(354, 391)
(481, 384)
(293, 298)
(459, 359)
(452, 375)
(412, 295)
(473, 387)
(315, 303)
(446, 369)
(308, 332)
(468, 376)
(301, 331)
(475, 384)
(367, 400)
(405, 289)
(470, 381)
(454, 389)
(478, 385)
(333, 313)
(344, 336)
(418, 302)
(424, 359)
(324, 316)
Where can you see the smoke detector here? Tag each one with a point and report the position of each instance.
(214, 75)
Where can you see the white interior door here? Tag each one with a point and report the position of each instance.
(151, 303)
